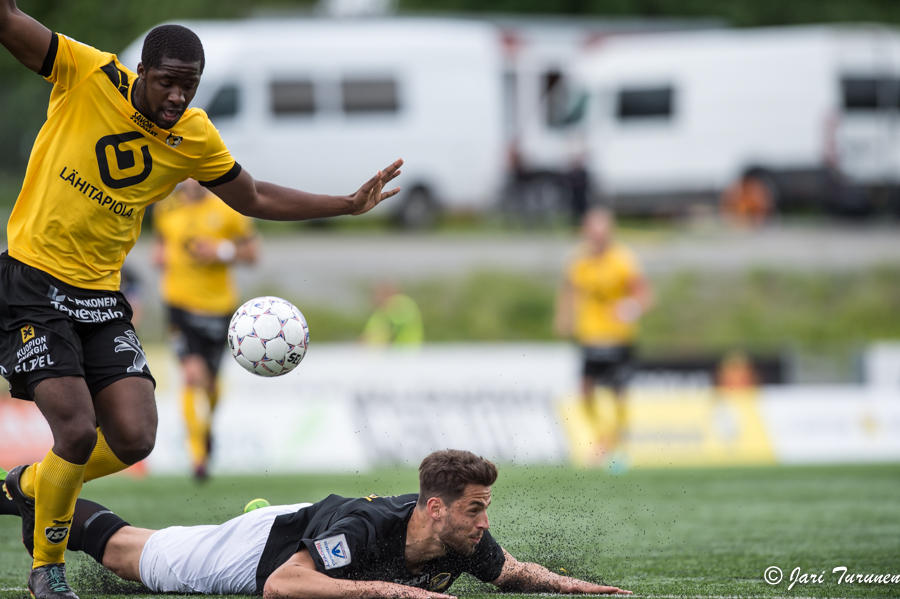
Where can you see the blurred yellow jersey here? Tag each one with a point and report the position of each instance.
(96, 164)
(599, 283)
(186, 283)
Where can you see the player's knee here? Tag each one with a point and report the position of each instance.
(76, 441)
(136, 446)
(195, 372)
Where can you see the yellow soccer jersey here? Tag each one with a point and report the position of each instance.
(97, 164)
(186, 283)
(599, 283)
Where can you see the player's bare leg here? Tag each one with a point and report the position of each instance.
(45, 492)
(126, 413)
(123, 552)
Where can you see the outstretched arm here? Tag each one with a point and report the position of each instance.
(25, 38)
(273, 202)
(533, 578)
(565, 310)
(298, 578)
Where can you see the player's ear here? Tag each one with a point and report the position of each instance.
(141, 71)
(435, 507)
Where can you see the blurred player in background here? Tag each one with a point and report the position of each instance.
(396, 320)
(198, 239)
(114, 142)
(602, 297)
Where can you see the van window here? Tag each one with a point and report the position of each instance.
(369, 95)
(860, 93)
(650, 102)
(293, 97)
(225, 103)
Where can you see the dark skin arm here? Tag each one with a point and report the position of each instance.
(26, 39)
(259, 199)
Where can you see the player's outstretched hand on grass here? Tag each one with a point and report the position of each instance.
(573, 585)
(370, 194)
(417, 593)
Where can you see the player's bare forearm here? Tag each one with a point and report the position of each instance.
(526, 577)
(283, 203)
(26, 39)
(247, 250)
(268, 201)
(298, 579)
(562, 322)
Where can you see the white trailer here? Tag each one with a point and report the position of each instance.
(321, 104)
(812, 114)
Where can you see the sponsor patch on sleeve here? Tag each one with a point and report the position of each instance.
(334, 551)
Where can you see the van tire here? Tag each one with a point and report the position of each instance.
(418, 210)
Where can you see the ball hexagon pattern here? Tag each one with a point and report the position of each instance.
(268, 336)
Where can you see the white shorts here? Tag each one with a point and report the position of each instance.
(217, 559)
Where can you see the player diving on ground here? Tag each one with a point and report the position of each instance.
(411, 546)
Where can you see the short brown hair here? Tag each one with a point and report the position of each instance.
(446, 473)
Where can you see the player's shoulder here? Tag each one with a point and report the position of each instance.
(195, 121)
(622, 253)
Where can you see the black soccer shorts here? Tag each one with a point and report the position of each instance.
(51, 329)
(199, 335)
(609, 365)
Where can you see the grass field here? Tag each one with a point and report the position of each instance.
(674, 533)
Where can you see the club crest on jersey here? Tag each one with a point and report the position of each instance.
(334, 551)
(173, 141)
(27, 333)
(440, 582)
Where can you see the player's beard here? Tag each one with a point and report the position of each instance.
(457, 539)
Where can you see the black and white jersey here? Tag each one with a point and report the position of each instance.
(365, 539)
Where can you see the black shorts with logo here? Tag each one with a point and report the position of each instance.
(51, 329)
(201, 335)
(609, 365)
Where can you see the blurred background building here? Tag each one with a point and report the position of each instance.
(751, 151)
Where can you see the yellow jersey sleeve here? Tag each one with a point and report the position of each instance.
(216, 166)
(629, 263)
(73, 61)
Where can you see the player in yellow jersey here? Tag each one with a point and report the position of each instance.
(197, 240)
(114, 142)
(602, 297)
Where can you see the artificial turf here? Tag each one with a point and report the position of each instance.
(674, 533)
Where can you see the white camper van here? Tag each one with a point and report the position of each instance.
(321, 104)
(812, 114)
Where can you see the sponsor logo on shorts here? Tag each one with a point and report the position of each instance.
(27, 333)
(93, 309)
(334, 551)
(34, 354)
(56, 534)
(129, 342)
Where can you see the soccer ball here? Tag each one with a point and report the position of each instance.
(268, 336)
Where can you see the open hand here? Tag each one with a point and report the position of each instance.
(370, 194)
(573, 585)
